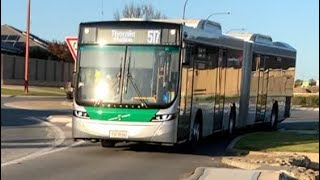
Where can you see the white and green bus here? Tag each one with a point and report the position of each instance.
(175, 81)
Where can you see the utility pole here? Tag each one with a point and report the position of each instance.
(26, 70)
(101, 9)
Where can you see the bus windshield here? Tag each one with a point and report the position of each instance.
(146, 75)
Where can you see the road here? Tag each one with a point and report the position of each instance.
(301, 119)
(91, 161)
(24, 132)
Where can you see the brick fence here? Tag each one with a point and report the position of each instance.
(41, 72)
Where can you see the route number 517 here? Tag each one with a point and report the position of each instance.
(153, 36)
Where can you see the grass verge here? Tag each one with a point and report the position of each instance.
(18, 92)
(306, 101)
(279, 141)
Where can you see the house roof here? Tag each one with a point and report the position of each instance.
(15, 38)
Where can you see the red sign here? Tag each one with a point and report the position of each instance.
(72, 43)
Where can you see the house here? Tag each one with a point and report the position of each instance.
(13, 40)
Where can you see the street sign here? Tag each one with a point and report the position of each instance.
(72, 43)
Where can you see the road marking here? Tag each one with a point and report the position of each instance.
(8, 144)
(58, 141)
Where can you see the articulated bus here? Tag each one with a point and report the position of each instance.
(175, 81)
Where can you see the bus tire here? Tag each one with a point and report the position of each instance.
(273, 121)
(196, 130)
(274, 116)
(107, 143)
(231, 124)
(232, 120)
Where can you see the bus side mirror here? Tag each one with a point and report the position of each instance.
(185, 56)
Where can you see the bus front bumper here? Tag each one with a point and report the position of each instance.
(159, 132)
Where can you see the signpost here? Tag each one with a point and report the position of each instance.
(72, 43)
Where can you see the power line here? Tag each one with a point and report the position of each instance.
(101, 9)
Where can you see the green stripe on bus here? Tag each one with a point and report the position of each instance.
(121, 114)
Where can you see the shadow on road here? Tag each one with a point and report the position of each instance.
(210, 146)
(22, 117)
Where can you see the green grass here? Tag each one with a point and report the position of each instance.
(17, 92)
(54, 89)
(279, 141)
(306, 101)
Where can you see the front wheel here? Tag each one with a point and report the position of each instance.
(196, 135)
(196, 132)
(107, 143)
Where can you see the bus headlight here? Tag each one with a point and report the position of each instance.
(80, 114)
(164, 117)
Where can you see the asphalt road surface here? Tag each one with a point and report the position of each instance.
(27, 134)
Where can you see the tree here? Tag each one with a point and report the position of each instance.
(138, 11)
(37, 52)
(312, 82)
(59, 50)
(298, 82)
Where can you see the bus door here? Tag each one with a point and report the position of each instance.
(184, 120)
(262, 89)
(219, 93)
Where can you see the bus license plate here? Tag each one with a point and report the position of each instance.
(118, 134)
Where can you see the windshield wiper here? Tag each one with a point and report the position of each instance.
(129, 78)
(118, 78)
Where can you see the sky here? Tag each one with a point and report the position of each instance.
(295, 22)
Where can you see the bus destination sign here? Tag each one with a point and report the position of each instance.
(101, 35)
(139, 36)
(129, 36)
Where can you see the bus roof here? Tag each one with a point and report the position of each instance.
(260, 39)
(265, 45)
(209, 32)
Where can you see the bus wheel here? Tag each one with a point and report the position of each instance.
(107, 143)
(232, 119)
(196, 132)
(273, 121)
(231, 126)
